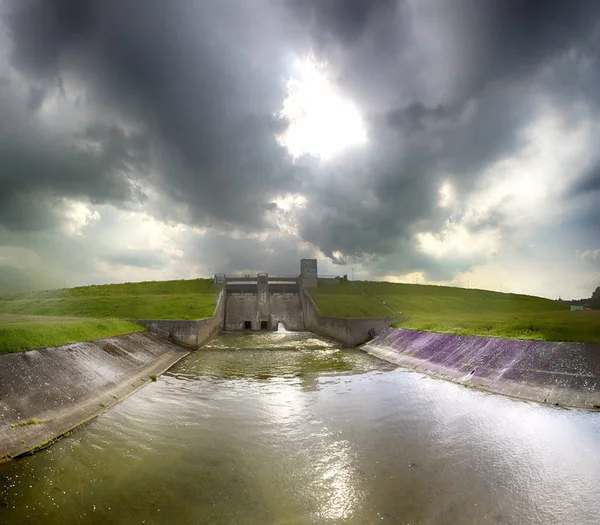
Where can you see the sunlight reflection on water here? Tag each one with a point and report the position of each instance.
(287, 428)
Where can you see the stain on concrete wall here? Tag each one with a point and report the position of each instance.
(46, 393)
(563, 373)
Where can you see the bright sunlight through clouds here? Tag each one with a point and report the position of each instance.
(321, 121)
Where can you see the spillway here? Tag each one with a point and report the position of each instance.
(282, 428)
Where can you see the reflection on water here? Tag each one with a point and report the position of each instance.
(285, 428)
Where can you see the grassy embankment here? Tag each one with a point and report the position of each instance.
(461, 311)
(93, 312)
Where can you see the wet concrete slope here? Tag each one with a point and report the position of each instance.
(46, 393)
(563, 373)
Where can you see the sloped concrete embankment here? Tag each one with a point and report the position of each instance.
(189, 333)
(46, 393)
(350, 332)
(563, 373)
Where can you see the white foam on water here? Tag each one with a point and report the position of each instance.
(281, 328)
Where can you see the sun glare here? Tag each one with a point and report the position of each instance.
(321, 121)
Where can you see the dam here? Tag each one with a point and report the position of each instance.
(277, 418)
(262, 302)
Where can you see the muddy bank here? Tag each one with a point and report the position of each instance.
(48, 392)
(563, 373)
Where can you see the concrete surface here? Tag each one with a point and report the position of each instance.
(286, 309)
(350, 332)
(254, 308)
(557, 373)
(67, 386)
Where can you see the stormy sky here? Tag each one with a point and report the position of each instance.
(432, 141)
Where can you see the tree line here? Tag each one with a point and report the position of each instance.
(592, 302)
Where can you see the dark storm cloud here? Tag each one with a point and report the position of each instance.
(344, 20)
(590, 183)
(199, 77)
(40, 168)
(182, 100)
(492, 55)
(519, 36)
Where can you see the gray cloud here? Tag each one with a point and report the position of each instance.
(590, 183)
(138, 258)
(172, 106)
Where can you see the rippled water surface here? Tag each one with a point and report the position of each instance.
(289, 429)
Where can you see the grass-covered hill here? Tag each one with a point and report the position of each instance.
(460, 311)
(92, 312)
(191, 299)
(21, 332)
(58, 317)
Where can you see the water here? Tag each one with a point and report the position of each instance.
(284, 428)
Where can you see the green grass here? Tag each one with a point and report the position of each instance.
(32, 421)
(24, 334)
(95, 312)
(461, 311)
(180, 287)
(344, 300)
(191, 299)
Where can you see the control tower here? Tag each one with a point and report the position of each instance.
(308, 272)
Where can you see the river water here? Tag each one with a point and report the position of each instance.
(286, 428)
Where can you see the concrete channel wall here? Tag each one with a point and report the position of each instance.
(189, 333)
(350, 332)
(49, 392)
(557, 373)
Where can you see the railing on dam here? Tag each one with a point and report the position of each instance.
(249, 285)
(254, 278)
(273, 288)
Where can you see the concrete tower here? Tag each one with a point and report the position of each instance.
(308, 272)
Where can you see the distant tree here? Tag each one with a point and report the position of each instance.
(595, 300)
(577, 302)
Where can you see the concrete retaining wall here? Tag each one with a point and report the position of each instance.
(66, 386)
(193, 333)
(567, 374)
(350, 332)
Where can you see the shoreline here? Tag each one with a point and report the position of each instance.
(563, 374)
(47, 393)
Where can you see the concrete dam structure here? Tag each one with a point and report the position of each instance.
(262, 302)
